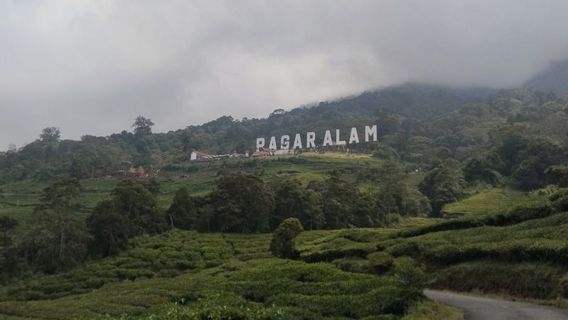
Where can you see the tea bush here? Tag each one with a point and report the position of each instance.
(186, 275)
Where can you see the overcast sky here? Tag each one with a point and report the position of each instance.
(90, 67)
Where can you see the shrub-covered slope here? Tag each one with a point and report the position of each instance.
(521, 251)
(185, 275)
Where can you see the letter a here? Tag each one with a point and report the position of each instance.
(327, 141)
(354, 136)
(272, 145)
(297, 142)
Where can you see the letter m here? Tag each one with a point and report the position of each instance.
(371, 132)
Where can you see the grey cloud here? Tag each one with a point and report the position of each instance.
(89, 67)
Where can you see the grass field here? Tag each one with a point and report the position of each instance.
(493, 201)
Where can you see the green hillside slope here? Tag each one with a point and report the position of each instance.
(185, 274)
(209, 273)
(465, 190)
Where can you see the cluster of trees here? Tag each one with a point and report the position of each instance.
(56, 238)
(50, 158)
(444, 184)
(245, 203)
(61, 237)
(132, 210)
(528, 162)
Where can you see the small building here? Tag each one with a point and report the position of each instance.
(239, 155)
(200, 156)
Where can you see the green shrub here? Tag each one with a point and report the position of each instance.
(529, 280)
(353, 264)
(381, 262)
(511, 217)
(283, 242)
(410, 276)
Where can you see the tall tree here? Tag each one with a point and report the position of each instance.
(58, 238)
(339, 197)
(183, 212)
(144, 141)
(394, 196)
(109, 228)
(442, 185)
(49, 142)
(139, 205)
(242, 203)
(293, 200)
(142, 126)
(132, 210)
(49, 135)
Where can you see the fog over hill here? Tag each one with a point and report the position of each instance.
(554, 78)
(90, 67)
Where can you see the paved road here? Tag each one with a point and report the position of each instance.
(476, 308)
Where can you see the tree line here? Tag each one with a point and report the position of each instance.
(242, 203)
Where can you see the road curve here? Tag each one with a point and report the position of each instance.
(477, 308)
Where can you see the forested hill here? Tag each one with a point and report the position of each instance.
(554, 79)
(418, 124)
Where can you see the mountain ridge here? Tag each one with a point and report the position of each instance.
(554, 78)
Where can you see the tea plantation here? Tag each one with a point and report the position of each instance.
(498, 241)
(521, 251)
(186, 275)
(343, 274)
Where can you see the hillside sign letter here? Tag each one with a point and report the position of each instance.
(330, 138)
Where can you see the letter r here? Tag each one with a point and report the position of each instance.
(260, 143)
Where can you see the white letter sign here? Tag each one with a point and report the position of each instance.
(370, 131)
(327, 141)
(260, 143)
(297, 142)
(272, 145)
(354, 136)
(286, 143)
(311, 140)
